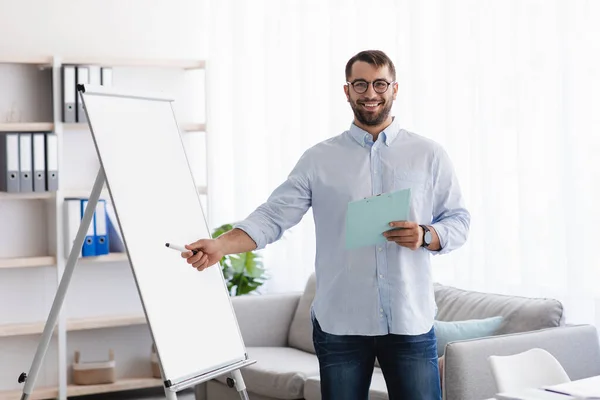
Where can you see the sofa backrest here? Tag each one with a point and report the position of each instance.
(521, 314)
(300, 335)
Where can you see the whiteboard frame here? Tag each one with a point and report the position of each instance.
(198, 377)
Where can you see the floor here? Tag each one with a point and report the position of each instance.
(145, 394)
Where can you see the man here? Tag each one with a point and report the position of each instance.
(376, 301)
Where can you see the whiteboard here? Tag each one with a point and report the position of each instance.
(189, 313)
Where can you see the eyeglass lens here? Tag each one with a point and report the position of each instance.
(362, 86)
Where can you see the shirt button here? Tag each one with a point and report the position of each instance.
(379, 248)
(381, 310)
(375, 172)
(381, 276)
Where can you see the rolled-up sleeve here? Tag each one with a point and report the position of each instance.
(284, 208)
(451, 219)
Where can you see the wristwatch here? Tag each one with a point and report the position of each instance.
(427, 237)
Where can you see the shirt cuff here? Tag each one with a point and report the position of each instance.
(442, 233)
(254, 232)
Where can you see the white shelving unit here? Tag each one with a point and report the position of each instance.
(29, 329)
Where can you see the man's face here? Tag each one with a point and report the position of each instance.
(371, 108)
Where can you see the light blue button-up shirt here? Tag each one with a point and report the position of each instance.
(372, 290)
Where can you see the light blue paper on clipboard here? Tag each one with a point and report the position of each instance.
(367, 219)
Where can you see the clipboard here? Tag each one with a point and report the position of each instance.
(368, 218)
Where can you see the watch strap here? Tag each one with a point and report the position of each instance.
(425, 230)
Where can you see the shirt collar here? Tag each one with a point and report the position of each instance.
(387, 135)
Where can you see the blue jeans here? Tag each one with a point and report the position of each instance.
(409, 365)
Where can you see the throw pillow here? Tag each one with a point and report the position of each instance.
(450, 331)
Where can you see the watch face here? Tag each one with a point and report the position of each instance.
(427, 237)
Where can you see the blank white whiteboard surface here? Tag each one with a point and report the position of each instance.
(190, 314)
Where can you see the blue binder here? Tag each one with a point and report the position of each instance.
(101, 232)
(89, 246)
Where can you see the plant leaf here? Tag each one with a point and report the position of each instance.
(244, 272)
(238, 263)
(221, 230)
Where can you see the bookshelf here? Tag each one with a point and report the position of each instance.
(41, 272)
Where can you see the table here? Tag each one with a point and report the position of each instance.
(587, 388)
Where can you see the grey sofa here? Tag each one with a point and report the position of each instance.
(277, 332)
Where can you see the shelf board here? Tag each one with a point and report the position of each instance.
(133, 62)
(27, 262)
(35, 60)
(38, 394)
(81, 390)
(113, 321)
(75, 324)
(33, 328)
(190, 127)
(26, 127)
(27, 196)
(76, 126)
(107, 62)
(84, 193)
(82, 126)
(120, 385)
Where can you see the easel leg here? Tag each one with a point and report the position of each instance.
(237, 380)
(170, 395)
(30, 378)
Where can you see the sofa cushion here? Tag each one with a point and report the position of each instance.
(300, 336)
(377, 391)
(520, 314)
(279, 372)
(449, 331)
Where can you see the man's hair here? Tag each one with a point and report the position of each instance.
(373, 57)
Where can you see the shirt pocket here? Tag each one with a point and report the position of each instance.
(417, 182)
(405, 179)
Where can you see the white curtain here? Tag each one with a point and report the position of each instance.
(511, 88)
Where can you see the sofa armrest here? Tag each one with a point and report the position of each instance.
(264, 320)
(467, 373)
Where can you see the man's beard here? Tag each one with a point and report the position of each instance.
(371, 119)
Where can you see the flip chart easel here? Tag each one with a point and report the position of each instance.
(145, 167)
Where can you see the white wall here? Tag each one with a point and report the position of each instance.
(116, 28)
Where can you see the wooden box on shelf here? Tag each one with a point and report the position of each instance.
(94, 373)
(154, 362)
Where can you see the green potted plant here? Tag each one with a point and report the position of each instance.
(244, 272)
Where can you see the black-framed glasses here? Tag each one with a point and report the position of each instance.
(379, 85)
